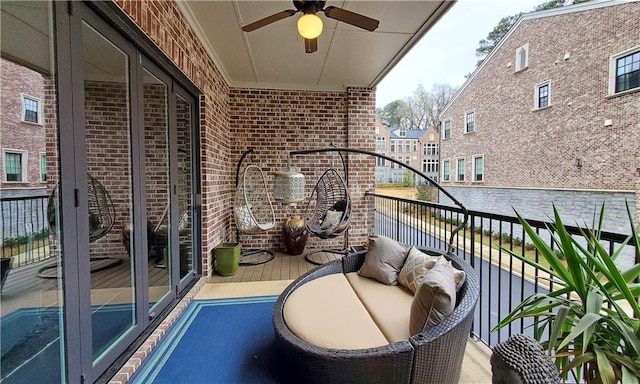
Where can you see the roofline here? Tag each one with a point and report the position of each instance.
(530, 16)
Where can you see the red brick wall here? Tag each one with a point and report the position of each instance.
(275, 122)
(14, 133)
(524, 147)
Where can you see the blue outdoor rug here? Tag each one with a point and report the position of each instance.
(218, 341)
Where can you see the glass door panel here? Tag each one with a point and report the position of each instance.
(31, 306)
(107, 103)
(157, 186)
(184, 116)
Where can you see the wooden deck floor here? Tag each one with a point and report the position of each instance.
(282, 267)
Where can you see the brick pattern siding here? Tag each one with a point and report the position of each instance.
(524, 147)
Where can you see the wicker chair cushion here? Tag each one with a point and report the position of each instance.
(415, 267)
(384, 259)
(331, 219)
(326, 312)
(435, 298)
(388, 305)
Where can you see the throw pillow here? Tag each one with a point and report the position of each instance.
(415, 267)
(435, 298)
(383, 260)
(331, 219)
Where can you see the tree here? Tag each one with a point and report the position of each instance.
(391, 114)
(419, 111)
(505, 24)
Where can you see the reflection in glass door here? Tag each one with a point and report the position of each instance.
(109, 189)
(157, 186)
(184, 118)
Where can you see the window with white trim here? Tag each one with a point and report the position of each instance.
(478, 168)
(393, 146)
(43, 167)
(393, 165)
(381, 143)
(469, 122)
(15, 166)
(402, 132)
(415, 145)
(407, 146)
(460, 170)
(624, 71)
(446, 169)
(522, 57)
(31, 110)
(446, 129)
(407, 160)
(543, 95)
(430, 149)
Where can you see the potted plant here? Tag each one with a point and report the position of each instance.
(588, 316)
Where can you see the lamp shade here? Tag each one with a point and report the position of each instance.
(309, 26)
(288, 186)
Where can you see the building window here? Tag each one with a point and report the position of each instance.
(446, 168)
(460, 170)
(415, 145)
(15, 166)
(43, 167)
(478, 168)
(31, 110)
(402, 132)
(446, 129)
(469, 122)
(430, 149)
(542, 95)
(400, 146)
(627, 71)
(381, 143)
(522, 57)
(431, 137)
(407, 146)
(407, 160)
(430, 166)
(393, 145)
(393, 165)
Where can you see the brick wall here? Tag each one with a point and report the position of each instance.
(273, 122)
(524, 147)
(18, 80)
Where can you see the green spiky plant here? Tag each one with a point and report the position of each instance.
(593, 332)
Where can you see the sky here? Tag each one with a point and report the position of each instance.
(447, 52)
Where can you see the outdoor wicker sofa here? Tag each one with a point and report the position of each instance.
(433, 356)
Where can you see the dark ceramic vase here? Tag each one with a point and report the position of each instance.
(295, 234)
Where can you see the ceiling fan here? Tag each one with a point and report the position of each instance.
(310, 25)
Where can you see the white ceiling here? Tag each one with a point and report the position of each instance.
(273, 56)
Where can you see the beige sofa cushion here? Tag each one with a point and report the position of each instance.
(327, 313)
(388, 305)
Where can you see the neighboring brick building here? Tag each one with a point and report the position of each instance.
(417, 148)
(552, 116)
(22, 133)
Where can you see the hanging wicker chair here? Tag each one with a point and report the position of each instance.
(331, 206)
(253, 209)
(102, 217)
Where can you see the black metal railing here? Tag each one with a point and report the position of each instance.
(505, 281)
(24, 229)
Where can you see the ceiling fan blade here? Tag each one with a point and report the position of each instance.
(310, 45)
(352, 18)
(268, 20)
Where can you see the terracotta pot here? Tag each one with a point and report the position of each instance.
(295, 234)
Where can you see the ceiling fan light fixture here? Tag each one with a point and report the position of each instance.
(309, 26)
